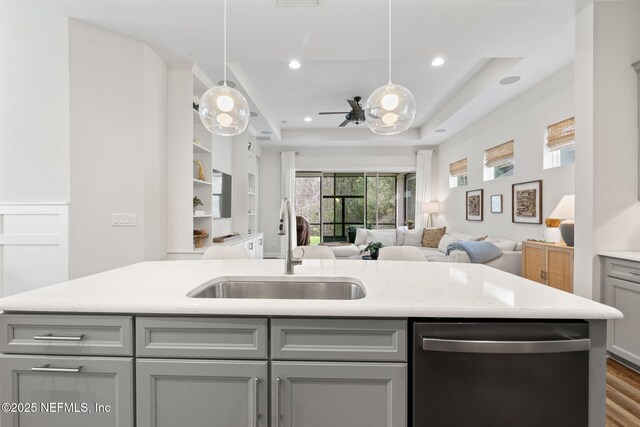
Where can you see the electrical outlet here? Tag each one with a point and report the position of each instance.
(123, 220)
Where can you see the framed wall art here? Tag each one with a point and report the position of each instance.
(496, 203)
(474, 205)
(526, 202)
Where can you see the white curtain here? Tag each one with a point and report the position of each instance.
(423, 183)
(288, 190)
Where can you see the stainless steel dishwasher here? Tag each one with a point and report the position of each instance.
(499, 374)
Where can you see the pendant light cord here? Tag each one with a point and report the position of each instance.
(225, 42)
(389, 41)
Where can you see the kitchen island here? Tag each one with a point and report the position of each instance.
(141, 345)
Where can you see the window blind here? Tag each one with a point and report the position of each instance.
(561, 134)
(458, 168)
(499, 154)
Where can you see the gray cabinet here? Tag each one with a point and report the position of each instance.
(331, 394)
(201, 393)
(66, 335)
(201, 337)
(67, 391)
(622, 291)
(339, 339)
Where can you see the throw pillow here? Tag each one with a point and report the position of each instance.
(446, 240)
(361, 236)
(413, 238)
(431, 236)
(386, 237)
(481, 238)
(400, 237)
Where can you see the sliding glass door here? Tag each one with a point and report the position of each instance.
(335, 204)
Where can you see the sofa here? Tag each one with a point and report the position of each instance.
(510, 261)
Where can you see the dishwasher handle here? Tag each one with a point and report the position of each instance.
(506, 347)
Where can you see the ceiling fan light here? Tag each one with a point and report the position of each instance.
(224, 111)
(390, 121)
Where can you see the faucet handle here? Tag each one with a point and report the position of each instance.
(298, 261)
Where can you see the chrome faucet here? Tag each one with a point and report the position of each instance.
(284, 229)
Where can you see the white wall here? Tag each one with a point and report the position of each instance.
(607, 206)
(361, 159)
(118, 143)
(34, 111)
(155, 156)
(523, 119)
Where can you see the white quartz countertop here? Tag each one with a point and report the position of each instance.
(628, 255)
(394, 289)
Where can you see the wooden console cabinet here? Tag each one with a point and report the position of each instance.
(549, 264)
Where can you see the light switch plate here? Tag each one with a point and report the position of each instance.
(123, 220)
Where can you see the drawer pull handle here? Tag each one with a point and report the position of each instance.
(256, 414)
(278, 384)
(48, 368)
(51, 337)
(635, 273)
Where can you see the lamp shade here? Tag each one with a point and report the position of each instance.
(390, 109)
(431, 207)
(224, 111)
(566, 208)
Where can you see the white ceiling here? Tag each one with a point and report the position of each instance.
(342, 45)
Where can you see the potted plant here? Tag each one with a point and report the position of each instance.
(373, 249)
(410, 224)
(196, 202)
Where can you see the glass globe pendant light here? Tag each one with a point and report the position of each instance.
(223, 110)
(391, 108)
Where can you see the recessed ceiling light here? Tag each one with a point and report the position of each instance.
(510, 80)
(266, 132)
(307, 119)
(437, 61)
(253, 114)
(294, 64)
(229, 83)
(441, 130)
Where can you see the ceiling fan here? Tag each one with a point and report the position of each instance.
(356, 115)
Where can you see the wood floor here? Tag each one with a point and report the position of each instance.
(623, 396)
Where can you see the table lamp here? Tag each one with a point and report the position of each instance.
(566, 211)
(430, 208)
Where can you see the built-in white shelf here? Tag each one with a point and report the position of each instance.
(200, 149)
(252, 194)
(251, 173)
(198, 182)
(252, 214)
(202, 216)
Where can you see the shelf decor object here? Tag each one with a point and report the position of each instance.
(199, 238)
(474, 205)
(430, 208)
(526, 202)
(223, 110)
(391, 108)
(201, 176)
(496, 203)
(566, 211)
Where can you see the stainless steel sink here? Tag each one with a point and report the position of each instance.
(289, 287)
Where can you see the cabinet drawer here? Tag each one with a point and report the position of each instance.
(339, 339)
(102, 385)
(622, 269)
(72, 335)
(191, 337)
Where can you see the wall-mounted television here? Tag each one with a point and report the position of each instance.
(221, 205)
